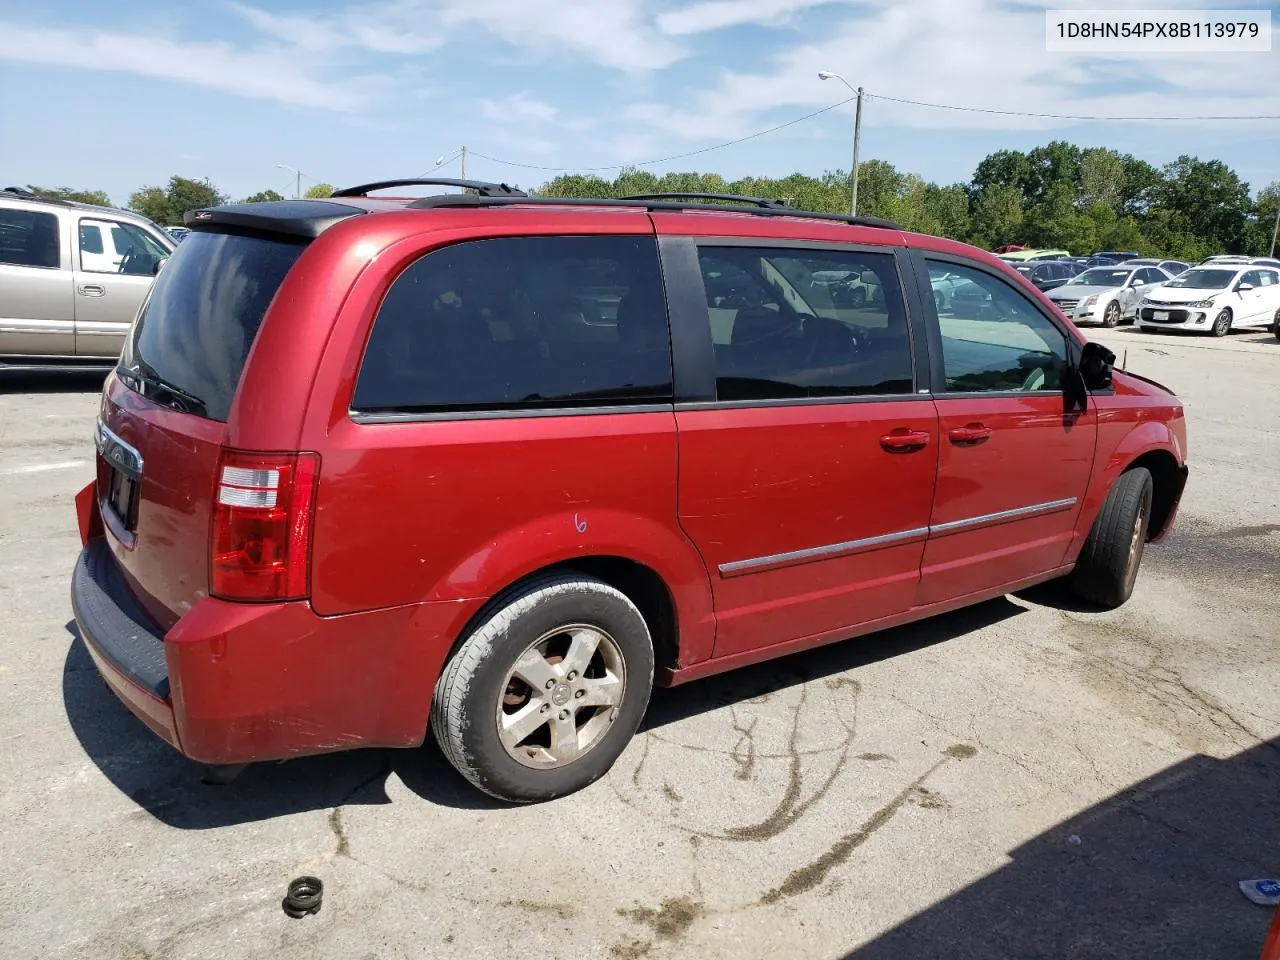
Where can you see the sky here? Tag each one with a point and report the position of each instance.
(120, 95)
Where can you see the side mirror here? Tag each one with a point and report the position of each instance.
(1096, 365)
(1244, 288)
(160, 262)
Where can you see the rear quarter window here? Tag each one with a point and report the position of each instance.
(201, 315)
(521, 323)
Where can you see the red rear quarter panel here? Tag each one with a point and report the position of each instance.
(454, 511)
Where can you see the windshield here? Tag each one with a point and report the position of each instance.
(1101, 277)
(1204, 279)
(195, 328)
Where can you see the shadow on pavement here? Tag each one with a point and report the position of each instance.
(35, 380)
(169, 787)
(1150, 872)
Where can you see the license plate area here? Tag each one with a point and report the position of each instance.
(121, 479)
(122, 498)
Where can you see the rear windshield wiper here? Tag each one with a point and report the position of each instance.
(151, 384)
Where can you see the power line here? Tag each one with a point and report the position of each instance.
(841, 103)
(676, 156)
(1056, 116)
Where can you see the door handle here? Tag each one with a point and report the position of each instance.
(91, 290)
(970, 434)
(902, 440)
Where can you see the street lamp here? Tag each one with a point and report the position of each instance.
(857, 132)
(297, 189)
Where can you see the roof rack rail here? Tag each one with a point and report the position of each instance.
(727, 197)
(22, 193)
(752, 205)
(481, 187)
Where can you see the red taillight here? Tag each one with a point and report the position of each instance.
(261, 537)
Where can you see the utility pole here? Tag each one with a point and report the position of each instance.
(857, 142)
(1276, 231)
(297, 186)
(464, 161)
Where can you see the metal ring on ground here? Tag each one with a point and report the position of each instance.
(303, 897)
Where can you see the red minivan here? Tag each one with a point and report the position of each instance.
(498, 464)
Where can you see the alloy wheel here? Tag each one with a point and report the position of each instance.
(561, 696)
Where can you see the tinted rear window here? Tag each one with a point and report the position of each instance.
(195, 328)
(521, 323)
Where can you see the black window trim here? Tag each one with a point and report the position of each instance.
(925, 305)
(584, 409)
(691, 337)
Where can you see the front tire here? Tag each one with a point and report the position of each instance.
(1222, 324)
(544, 694)
(1108, 564)
(1111, 316)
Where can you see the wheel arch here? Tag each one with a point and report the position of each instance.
(1150, 444)
(638, 582)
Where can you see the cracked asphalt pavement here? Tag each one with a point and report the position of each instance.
(1020, 779)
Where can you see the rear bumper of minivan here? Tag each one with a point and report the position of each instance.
(238, 683)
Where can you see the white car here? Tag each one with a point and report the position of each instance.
(1216, 298)
(1106, 295)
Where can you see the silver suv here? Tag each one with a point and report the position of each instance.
(72, 276)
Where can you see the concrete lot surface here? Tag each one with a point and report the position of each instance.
(1021, 779)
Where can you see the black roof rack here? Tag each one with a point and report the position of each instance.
(762, 202)
(481, 187)
(24, 194)
(753, 205)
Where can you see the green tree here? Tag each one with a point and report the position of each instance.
(96, 197)
(168, 205)
(1005, 168)
(997, 216)
(1208, 195)
(321, 191)
(1053, 164)
(949, 208)
(1139, 186)
(1260, 232)
(263, 196)
(1102, 177)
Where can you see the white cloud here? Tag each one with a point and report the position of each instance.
(518, 107)
(982, 53)
(611, 33)
(388, 28)
(718, 14)
(268, 73)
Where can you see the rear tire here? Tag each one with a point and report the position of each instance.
(1108, 564)
(1275, 324)
(483, 703)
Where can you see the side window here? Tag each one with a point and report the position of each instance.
(1269, 278)
(820, 323)
(993, 338)
(90, 238)
(1152, 275)
(131, 250)
(29, 239)
(1251, 277)
(521, 323)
